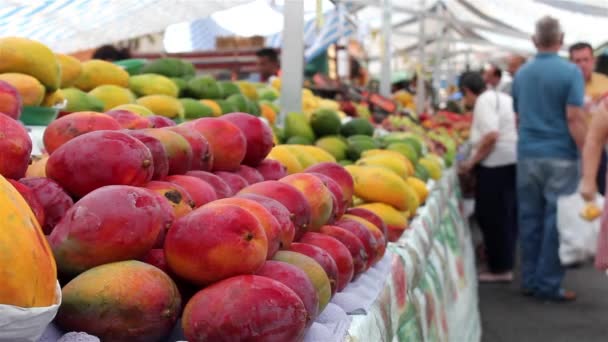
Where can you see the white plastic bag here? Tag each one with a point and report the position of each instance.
(577, 236)
(26, 324)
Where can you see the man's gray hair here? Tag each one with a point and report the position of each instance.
(548, 32)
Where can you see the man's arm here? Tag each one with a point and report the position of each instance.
(594, 146)
(483, 149)
(576, 125)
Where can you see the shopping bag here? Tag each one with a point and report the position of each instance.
(601, 258)
(577, 236)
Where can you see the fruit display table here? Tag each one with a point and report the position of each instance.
(431, 291)
(424, 289)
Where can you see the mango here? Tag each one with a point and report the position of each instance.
(15, 147)
(53, 99)
(101, 158)
(215, 242)
(175, 195)
(10, 100)
(179, 151)
(112, 96)
(377, 184)
(215, 108)
(31, 200)
(339, 174)
(323, 258)
(280, 213)
(298, 281)
(271, 169)
(396, 223)
(257, 134)
(152, 84)
(352, 243)
(317, 194)
(313, 270)
(169, 67)
(70, 126)
(54, 200)
(164, 105)
(97, 72)
(266, 219)
(129, 120)
(420, 188)
(31, 91)
(135, 108)
(383, 157)
(223, 312)
(121, 301)
(338, 252)
(227, 141)
(113, 223)
(283, 155)
(28, 272)
(395, 165)
(71, 68)
(292, 198)
(194, 109)
(22, 55)
(79, 101)
(432, 166)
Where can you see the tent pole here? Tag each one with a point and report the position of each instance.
(420, 85)
(385, 74)
(292, 58)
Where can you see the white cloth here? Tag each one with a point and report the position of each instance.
(493, 112)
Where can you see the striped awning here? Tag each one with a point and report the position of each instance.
(75, 25)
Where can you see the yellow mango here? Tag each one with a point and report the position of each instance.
(112, 96)
(304, 158)
(28, 272)
(378, 184)
(26, 56)
(53, 98)
(393, 154)
(97, 72)
(31, 91)
(396, 165)
(163, 105)
(388, 214)
(420, 188)
(284, 156)
(317, 153)
(71, 68)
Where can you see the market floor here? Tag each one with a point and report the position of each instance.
(507, 316)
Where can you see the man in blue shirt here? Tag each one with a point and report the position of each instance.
(548, 95)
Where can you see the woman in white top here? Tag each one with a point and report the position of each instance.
(494, 156)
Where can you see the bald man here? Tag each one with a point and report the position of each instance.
(514, 62)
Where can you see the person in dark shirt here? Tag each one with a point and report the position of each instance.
(268, 63)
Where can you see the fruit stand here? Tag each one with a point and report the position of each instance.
(169, 205)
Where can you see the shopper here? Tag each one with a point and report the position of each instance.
(494, 139)
(596, 85)
(492, 75)
(514, 62)
(111, 53)
(548, 93)
(268, 63)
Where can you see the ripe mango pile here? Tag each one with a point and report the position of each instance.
(167, 87)
(139, 217)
